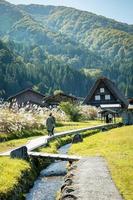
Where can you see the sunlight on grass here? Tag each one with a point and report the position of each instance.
(53, 145)
(4, 146)
(116, 146)
(11, 171)
(66, 126)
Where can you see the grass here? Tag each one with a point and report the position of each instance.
(76, 125)
(22, 134)
(11, 144)
(7, 145)
(53, 145)
(116, 146)
(56, 143)
(12, 171)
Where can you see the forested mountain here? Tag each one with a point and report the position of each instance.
(62, 48)
(45, 76)
(72, 21)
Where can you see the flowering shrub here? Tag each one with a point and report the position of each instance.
(71, 110)
(77, 112)
(88, 112)
(13, 118)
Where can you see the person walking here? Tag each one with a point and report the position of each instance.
(107, 118)
(50, 124)
(110, 118)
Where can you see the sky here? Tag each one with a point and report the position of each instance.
(120, 10)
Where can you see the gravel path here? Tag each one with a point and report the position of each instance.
(92, 180)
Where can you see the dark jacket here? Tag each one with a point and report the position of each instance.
(50, 123)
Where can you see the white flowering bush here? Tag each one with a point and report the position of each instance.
(15, 120)
(71, 110)
(88, 112)
(77, 112)
(18, 122)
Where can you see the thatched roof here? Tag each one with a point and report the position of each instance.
(113, 89)
(57, 98)
(25, 91)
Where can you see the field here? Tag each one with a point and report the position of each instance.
(116, 146)
(64, 126)
(77, 125)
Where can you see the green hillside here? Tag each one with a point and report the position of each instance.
(55, 44)
(72, 21)
(47, 76)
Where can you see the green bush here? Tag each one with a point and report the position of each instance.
(71, 110)
(22, 134)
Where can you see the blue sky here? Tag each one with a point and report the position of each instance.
(120, 10)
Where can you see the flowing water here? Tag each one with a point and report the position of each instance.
(50, 180)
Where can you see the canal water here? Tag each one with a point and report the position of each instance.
(50, 179)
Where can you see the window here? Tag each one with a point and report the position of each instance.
(107, 97)
(101, 90)
(97, 97)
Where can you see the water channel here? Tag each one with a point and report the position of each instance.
(50, 180)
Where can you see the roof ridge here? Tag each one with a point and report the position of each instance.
(25, 90)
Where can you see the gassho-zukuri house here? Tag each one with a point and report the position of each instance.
(56, 99)
(106, 95)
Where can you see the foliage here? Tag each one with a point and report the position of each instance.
(88, 112)
(58, 92)
(77, 112)
(16, 123)
(27, 121)
(21, 72)
(71, 110)
(66, 126)
(117, 54)
(116, 146)
(46, 46)
(60, 126)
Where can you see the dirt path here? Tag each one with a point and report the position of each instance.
(92, 180)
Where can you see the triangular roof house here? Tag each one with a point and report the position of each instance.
(27, 96)
(105, 93)
(56, 99)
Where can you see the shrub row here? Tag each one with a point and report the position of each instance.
(21, 134)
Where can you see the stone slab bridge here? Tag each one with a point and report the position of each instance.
(27, 150)
(63, 157)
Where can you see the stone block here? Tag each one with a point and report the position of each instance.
(77, 138)
(20, 152)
